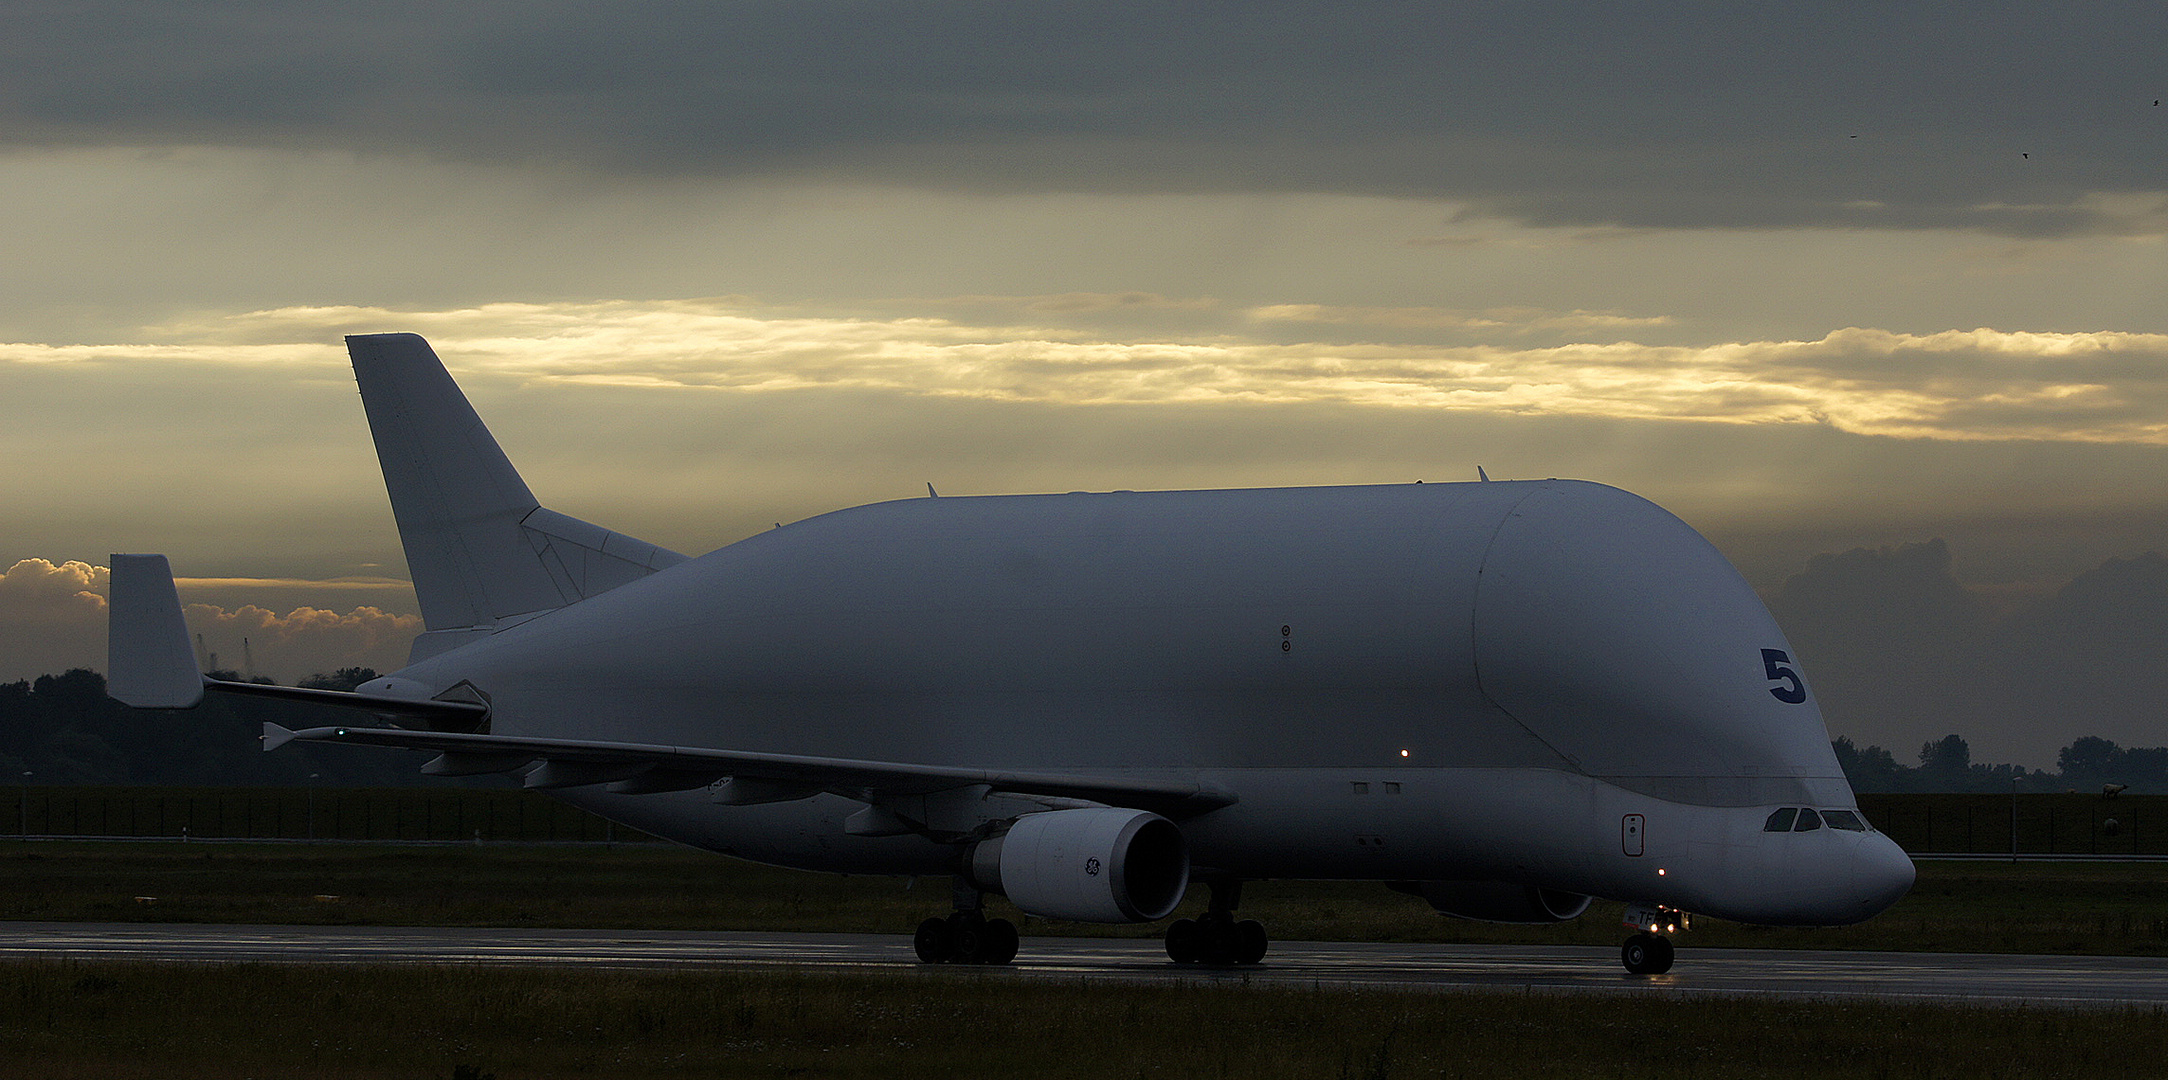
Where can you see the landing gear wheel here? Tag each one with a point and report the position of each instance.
(998, 942)
(966, 937)
(932, 942)
(968, 932)
(1185, 941)
(1646, 954)
(1216, 938)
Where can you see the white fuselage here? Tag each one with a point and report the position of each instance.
(1553, 683)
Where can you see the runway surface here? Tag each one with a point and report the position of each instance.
(1968, 977)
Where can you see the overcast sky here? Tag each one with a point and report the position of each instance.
(1817, 277)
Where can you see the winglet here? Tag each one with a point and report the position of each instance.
(148, 662)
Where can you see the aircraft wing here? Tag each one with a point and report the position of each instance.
(150, 667)
(641, 768)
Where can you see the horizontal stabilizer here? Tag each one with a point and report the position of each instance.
(148, 662)
(573, 762)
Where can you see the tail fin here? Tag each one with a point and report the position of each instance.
(480, 548)
(148, 664)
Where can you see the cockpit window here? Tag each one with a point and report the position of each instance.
(1781, 821)
(1808, 821)
(1843, 819)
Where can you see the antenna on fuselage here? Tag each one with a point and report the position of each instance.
(1481, 475)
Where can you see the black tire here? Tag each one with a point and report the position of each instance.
(933, 943)
(1250, 942)
(999, 942)
(969, 936)
(1646, 954)
(1218, 932)
(1663, 956)
(1185, 941)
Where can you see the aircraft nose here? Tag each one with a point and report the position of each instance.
(1882, 874)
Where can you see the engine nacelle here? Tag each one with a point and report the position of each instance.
(1101, 864)
(1497, 901)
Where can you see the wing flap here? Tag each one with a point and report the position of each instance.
(577, 762)
(450, 713)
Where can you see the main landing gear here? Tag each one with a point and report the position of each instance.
(968, 936)
(1215, 937)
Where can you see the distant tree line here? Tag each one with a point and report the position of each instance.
(63, 729)
(1946, 764)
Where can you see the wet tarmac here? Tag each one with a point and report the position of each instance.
(1952, 977)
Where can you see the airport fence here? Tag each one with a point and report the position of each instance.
(379, 815)
(2074, 825)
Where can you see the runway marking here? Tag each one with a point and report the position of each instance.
(1953, 977)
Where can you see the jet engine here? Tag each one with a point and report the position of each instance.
(1100, 864)
(1497, 901)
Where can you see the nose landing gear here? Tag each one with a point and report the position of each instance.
(1649, 951)
(1646, 954)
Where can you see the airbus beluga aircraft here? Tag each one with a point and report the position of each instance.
(1503, 697)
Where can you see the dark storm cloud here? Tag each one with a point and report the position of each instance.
(2001, 117)
(1901, 653)
(1893, 643)
(2092, 657)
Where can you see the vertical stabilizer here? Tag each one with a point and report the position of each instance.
(480, 548)
(148, 664)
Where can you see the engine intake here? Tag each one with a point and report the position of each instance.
(1101, 864)
(1497, 901)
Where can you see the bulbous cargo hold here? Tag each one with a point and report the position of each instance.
(1615, 633)
(1545, 624)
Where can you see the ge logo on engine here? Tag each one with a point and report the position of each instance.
(1091, 866)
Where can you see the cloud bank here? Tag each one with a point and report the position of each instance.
(1981, 384)
(53, 618)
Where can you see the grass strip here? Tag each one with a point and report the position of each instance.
(62, 1020)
